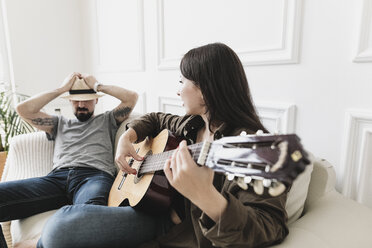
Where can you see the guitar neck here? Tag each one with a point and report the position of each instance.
(155, 162)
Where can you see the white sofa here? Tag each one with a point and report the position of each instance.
(329, 219)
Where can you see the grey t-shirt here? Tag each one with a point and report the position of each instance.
(85, 144)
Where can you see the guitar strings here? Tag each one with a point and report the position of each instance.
(155, 162)
(152, 162)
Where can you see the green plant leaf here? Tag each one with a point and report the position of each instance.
(11, 124)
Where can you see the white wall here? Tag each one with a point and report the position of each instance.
(308, 62)
(46, 45)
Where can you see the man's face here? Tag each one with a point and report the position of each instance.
(83, 110)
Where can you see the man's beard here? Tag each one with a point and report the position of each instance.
(83, 116)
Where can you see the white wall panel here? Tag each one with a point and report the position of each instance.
(262, 32)
(120, 35)
(141, 106)
(171, 105)
(277, 117)
(364, 46)
(356, 170)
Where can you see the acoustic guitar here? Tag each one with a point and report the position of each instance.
(267, 163)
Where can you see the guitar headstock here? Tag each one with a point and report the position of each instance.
(263, 161)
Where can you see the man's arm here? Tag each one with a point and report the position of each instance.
(30, 109)
(128, 98)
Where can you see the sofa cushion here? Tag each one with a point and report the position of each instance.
(337, 221)
(299, 237)
(29, 228)
(123, 127)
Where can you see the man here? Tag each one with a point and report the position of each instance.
(83, 162)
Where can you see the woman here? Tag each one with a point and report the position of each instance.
(213, 211)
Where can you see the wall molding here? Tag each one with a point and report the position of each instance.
(364, 186)
(166, 102)
(356, 158)
(142, 107)
(140, 66)
(283, 115)
(364, 48)
(285, 53)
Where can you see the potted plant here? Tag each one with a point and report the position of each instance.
(10, 123)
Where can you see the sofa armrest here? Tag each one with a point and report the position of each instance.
(30, 155)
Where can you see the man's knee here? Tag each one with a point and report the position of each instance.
(61, 225)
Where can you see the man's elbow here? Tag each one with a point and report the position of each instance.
(134, 98)
(21, 109)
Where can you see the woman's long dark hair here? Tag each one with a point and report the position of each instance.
(218, 72)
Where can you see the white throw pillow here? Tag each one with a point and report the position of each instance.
(297, 194)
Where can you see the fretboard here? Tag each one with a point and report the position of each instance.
(155, 162)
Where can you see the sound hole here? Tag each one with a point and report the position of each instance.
(137, 178)
(139, 175)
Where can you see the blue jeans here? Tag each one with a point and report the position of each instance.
(77, 185)
(88, 226)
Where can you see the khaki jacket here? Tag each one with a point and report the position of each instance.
(250, 220)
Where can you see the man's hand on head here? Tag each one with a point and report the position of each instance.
(89, 80)
(69, 81)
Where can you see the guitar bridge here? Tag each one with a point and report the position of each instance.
(203, 153)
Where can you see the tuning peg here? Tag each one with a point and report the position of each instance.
(242, 184)
(258, 187)
(259, 132)
(243, 133)
(247, 179)
(266, 183)
(230, 177)
(276, 189)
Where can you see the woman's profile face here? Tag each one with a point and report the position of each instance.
(191, 96)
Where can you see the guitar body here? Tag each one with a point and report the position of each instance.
(150, 192)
